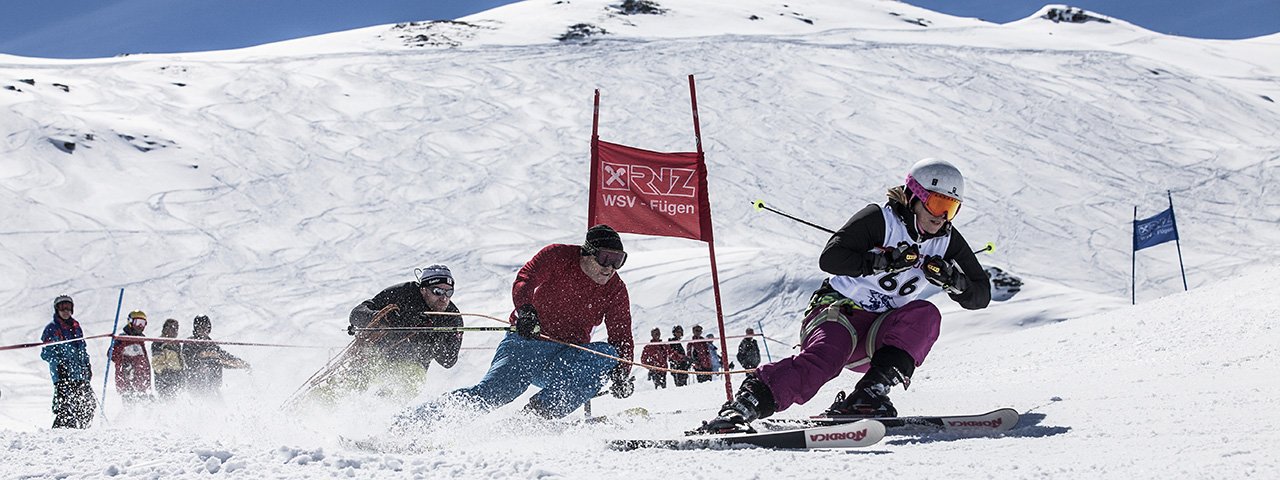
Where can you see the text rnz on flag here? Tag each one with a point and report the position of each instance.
(649, 193)
(1155, 230)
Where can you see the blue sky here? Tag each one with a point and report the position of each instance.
(103, 28)
(1225, 19)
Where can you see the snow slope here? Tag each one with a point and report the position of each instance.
(275, 187)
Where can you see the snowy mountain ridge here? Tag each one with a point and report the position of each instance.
(275, 187)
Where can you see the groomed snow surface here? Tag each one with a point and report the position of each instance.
(275, 187)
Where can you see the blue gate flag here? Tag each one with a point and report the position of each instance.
(1153, 231)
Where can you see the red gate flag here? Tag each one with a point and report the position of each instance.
(649, 193)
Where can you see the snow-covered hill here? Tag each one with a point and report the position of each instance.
(276, 186)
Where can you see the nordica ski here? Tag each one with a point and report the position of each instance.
(861, 433)
(1000, 420)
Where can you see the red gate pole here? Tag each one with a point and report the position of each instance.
(711, 244)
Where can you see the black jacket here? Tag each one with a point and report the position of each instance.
(749, 353)
(849, 251)
(203, 364)
(414, 312)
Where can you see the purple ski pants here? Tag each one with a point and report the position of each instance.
(830, 347)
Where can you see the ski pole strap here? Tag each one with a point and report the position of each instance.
(352, 330)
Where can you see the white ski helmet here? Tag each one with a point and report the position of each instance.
(932, 176)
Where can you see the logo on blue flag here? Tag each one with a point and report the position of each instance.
(1153, 231)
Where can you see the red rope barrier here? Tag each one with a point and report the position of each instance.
(45, 344)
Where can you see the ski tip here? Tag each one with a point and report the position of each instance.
(1009, 416)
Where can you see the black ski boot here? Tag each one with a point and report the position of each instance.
(870, 401)
(870, 396)
(753, 401)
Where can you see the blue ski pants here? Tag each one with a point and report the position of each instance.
(567, 376)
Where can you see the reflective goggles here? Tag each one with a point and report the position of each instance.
(138, 322)
(610, 258)
(937, 204)
(442, 292)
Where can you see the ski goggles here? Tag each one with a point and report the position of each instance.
(937, 204)
(138, 322)
(610, 258)
(442, 292)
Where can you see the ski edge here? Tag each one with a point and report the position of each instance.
(998, 420)
(862, 433)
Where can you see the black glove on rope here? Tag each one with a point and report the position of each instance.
(896, 259)
(944, 274)
(622, 386)
(527, 324)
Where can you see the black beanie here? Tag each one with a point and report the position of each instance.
(602, 236)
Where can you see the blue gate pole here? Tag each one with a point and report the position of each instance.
(1133, 277)
(1177, 240)
(102, 406)
(764, 341)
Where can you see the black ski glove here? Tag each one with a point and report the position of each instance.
(622, 385)
(527, 324)
(896, 259)
(944, 274)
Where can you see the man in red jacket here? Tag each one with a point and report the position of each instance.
(655, 354)
(562, 294)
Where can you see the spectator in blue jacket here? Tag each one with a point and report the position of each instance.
(73, 400)
(714, 353)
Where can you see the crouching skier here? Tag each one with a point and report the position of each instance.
(866, 317)
(394, 363)
(562, 293)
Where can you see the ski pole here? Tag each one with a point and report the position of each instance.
(352, 330)
(102, 407)
(991, 246)
(761, 206)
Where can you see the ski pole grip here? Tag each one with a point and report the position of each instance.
(351, 330)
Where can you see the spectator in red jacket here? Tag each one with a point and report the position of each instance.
(656, 354)
(700, 354)
(133, 368)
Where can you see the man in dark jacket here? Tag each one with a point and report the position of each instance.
(204, 361)
(749, 351)
(166, 362)
(394, 363)
(73, 401)
(700, 354)
(679, 360)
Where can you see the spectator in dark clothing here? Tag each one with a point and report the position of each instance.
(204, 361)
(699, 354)
(395, 363)
(749, 351)
(133, 368)
(73, 400)
(166, 362)
(677, 357)
(655, 354)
